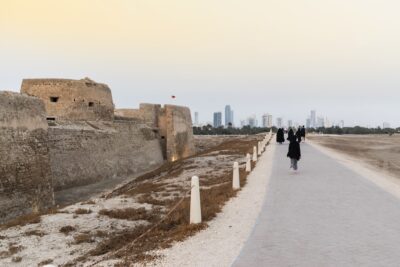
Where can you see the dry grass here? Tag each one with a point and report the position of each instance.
(147, 187)
(67, 229)
(89, 202)
(32, 218)
(35, 233)
(83, 238)
(45, 262)
(16, 259)
(149, 199)
(131, 214)
(12, 249)
(82, 211)
(101, 234)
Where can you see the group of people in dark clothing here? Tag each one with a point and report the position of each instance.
(295, 139)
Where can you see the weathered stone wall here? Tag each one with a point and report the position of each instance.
(25, 176)
(176, 125)
(73, 100)
(84, 153)
(147, 114)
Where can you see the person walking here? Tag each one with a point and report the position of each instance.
(298, 135)
(290, 134)
(303, 133)
(280, 136)
(294, 153)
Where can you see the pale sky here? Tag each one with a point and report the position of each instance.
(284, 57)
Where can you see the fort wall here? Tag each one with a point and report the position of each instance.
(25, 174)
(174, 124)
(82, 154)
(62, 133)
(73, 100)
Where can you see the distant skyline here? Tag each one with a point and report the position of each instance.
(285, 58)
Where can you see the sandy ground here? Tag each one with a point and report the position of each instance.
(379, 151)
(48, 243)
(222, 241)
(388, 181)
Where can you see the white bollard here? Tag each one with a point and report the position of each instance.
(254, 153)
(248, 163)
(195, 207)
(236, 179)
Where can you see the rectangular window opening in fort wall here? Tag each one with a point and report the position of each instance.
(54, 99)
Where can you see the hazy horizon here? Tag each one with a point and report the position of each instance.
(283, 57)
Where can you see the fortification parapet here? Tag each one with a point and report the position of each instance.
(147, 114)
(73, 100)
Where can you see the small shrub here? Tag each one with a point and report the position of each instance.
(82, 211)
(67, 229)
(131, 214)
(35, 232)
(16, 259)
(89, 202)
(45, 262)
(32, 218)
(83, 238)
(101, 234)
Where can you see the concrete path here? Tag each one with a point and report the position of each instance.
(323, 215)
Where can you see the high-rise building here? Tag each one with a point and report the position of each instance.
(279, 122)
(313, 118)
(228, 115)
(308, 123)
(386, 125)
(341, 124)
(267, 120)
(196, 118)
(217, 119)
(320, 122)
(290, 123)
(252, 121)
(327, 123)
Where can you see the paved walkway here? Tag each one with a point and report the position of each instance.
(324, 215)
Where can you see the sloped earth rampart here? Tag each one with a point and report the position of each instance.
(102, 229)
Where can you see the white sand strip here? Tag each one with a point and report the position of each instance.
(222, 241)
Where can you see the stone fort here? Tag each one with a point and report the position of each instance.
(59, 133)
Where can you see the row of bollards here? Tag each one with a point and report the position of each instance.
(195, 206)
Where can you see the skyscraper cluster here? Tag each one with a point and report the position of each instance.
(315, 121)
(229, 120)
(267, 120)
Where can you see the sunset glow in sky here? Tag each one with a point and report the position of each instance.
(284, 57)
